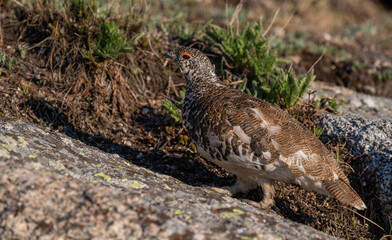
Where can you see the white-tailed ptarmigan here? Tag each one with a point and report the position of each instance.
(253, 139)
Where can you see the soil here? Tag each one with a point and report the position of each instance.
(116, 106)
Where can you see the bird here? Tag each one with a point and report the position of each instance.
(253, 139)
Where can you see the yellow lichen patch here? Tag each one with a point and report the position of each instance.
(4, 153)
(234, 214)
(124, 179)
(33, 155)
(164, 179)
(46, 174)
(21, 140)
(104, 176)
(93, 181)
(235, 210)
(148, 170)
(167, 187)
(127, 163)
(9, 143)
(99, 165)
(249, 238)
(136, 185)
(179, 212)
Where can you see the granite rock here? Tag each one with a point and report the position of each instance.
(53, 186)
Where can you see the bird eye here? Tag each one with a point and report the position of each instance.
(185, 55)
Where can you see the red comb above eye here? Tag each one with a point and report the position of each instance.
(185, 53)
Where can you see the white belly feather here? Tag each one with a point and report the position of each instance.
(242, 165)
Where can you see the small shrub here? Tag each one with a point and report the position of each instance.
(318, 131)
(111, 43)
(337, 106)
(250, 51)
(8, 63)
(360, 30)
(2, 61)
(25, 89)
(175, 109)
(22, 51)
(384, 75)
(5, 62)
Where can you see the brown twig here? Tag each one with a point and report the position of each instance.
(236, 12)
(365, 218)
(317, 61)
(272, 21)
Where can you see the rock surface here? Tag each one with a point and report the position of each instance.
(366, 124)
(364, 105)
(372, 140)
(54, 186)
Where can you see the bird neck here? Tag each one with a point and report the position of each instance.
(201, 82)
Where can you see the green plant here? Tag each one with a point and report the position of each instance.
(292, 43)
(83, 7)
(358, 65)
(25, 89)
(318, 131)
(244, 48)
(360, 30)
(111, 43)
(8, 63)
(354, 221)
(384, 75)
(2, 61)
(5, 62)
(175, 109)
(337, 106)
(22, 51)
(2, 57)
(250, 52)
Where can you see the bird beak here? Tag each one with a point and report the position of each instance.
(169, 55)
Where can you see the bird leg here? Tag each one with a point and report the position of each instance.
(269, 193)
(241, 186)
(244, 185)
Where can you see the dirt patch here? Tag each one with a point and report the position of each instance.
(345, 73)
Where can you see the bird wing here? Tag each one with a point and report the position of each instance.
(273, 136)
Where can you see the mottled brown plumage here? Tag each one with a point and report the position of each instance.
(253, 139)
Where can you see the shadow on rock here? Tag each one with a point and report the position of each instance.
(190, 169)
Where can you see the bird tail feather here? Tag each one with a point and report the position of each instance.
(342, 191)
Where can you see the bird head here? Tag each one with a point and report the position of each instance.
(192, 63)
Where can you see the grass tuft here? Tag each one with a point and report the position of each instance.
(384, 75)
(111, 43)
